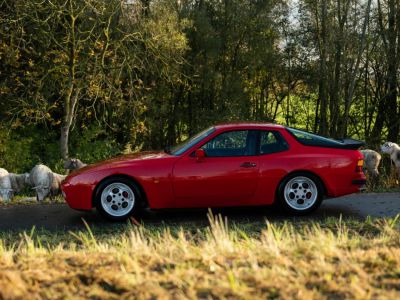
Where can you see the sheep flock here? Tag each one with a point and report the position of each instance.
(41, 178)
(372, 158)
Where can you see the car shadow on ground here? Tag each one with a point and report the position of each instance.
(54, 217)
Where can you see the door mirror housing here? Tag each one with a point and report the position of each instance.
(200, 154)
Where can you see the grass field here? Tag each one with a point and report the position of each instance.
(293, 259)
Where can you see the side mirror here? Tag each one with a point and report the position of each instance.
(200, 154)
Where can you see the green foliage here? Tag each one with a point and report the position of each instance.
(148, 73)
(21, 150)
(93, 144)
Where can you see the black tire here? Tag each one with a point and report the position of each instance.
(300, 204)
(123, 204)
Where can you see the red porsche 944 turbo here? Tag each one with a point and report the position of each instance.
(240, 164)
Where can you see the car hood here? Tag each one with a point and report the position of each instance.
(120, 161)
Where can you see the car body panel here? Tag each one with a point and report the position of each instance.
(154, 178)
(169, 181)
(214, 181)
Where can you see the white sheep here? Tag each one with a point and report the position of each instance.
(45, 182)
(19, 181)
(6, 191)
(74, 164)
(372, 160)
(394, 151)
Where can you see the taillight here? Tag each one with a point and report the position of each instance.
(360, 164)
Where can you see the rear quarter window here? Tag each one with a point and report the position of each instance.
(272, 142)
(311, 139)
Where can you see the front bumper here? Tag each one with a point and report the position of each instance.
(78, 196)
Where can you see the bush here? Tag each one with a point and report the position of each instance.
(20, 150)
(93, 144)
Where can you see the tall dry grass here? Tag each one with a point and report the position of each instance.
(315, 260)
(388, 179)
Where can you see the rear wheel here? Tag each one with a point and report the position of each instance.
(300, 193)
(117, 198)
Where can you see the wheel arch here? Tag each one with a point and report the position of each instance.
(142, 193)
(324, 188)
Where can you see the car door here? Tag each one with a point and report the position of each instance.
(273, 164)
(226, 176)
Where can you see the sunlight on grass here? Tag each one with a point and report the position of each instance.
(333, 258)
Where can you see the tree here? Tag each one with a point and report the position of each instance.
(93, 58)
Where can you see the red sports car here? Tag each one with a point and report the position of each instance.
(240, 164)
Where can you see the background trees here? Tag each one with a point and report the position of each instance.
(94, 78)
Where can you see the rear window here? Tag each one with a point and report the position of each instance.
(310, 139)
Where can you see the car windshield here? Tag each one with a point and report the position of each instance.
(311, 139)
(182, 147)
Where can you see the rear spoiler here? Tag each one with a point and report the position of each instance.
(351, 144)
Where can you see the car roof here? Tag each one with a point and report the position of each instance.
(255, 125)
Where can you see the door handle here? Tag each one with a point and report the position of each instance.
(248, 165)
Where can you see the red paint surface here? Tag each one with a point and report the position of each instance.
(182, 181)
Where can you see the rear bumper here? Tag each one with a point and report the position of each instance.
(359, 182)
(344, 186)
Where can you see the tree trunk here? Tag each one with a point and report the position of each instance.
(334, 98)
(366, 92)
(71, 99)
(288, 91)
(375, 137)
(334, 103)
(322, 86)
(354, 72)
(64, 141)
(392, 114)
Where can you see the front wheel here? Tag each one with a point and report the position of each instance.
(300, 193)
(117, 198)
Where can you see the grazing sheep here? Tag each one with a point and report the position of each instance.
(74, 164)
(19, 181)
(45, 182)
(371, 162)
(55, 188)
(394, 151)
(6, 191)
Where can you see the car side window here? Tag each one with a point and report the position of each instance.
(272, 142)
(232, 143)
